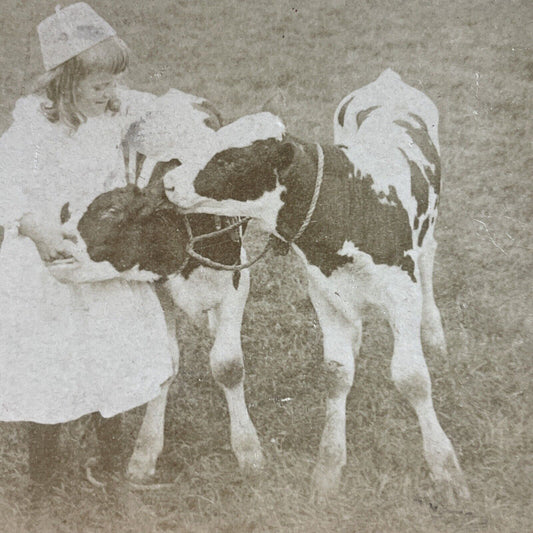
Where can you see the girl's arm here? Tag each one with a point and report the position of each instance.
(48, 238)
(19, 177)
(17, 150)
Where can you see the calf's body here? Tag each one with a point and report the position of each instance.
(370, 240)
(136, 233)
(150, 236)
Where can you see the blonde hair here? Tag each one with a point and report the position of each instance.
(61, 83)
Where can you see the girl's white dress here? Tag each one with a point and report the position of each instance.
(69, 350)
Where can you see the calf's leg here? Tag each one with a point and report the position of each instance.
(342, 340)
(411, 377)
(226, 359)
(150, 440)
(431, 327)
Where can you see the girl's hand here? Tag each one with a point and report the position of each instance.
(49, 239)
(52, 247)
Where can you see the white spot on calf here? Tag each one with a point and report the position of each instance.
(173, 128)
(146, 172)
(385, 201)
(376, 153)
(249, 129)
(388, 91)
(374, 146)
(265, 209)
(355, 285)
(201, 291)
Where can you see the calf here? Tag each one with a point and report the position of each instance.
(137, 234)
(360, 216)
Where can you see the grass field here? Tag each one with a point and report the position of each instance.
(474, 60)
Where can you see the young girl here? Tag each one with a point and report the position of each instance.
(69, 350)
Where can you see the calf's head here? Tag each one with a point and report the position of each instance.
(129, 227)
(238, 173)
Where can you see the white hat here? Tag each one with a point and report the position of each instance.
(70, 31)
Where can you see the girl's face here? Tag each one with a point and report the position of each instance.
(94, 92)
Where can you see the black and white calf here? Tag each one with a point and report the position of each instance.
(137, 234)
(369, 240)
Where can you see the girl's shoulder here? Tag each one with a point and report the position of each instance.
(28, 108)
(29, 125)
(28, 116)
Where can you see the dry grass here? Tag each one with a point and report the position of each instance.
(472, 59)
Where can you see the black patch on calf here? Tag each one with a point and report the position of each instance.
(423, 230)
(159, 171)
(1, 235)
(381, 230)
(348, 209)
(342, 112)
(419, 186)
(421, 138)
(65, 215)
(363, 115)
(221, 249)
(129, 226)
(214, 120)
(243, 173)
(409, 266)
(163, 236)
(326, 259)
(139, 161)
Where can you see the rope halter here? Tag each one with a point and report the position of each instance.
(314, 200)
(220, 266)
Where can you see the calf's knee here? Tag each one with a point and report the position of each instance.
(228, 373)
(416, 387)
(338, 379)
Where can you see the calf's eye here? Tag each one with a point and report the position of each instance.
(110, 213)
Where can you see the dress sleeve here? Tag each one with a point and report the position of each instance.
(17, 152)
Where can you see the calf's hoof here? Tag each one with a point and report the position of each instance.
(450, 484)
(140, 470)
(249, 454)
(325, 483)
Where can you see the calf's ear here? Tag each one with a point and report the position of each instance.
(153, 200)
(147, 207)
(284, 156)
